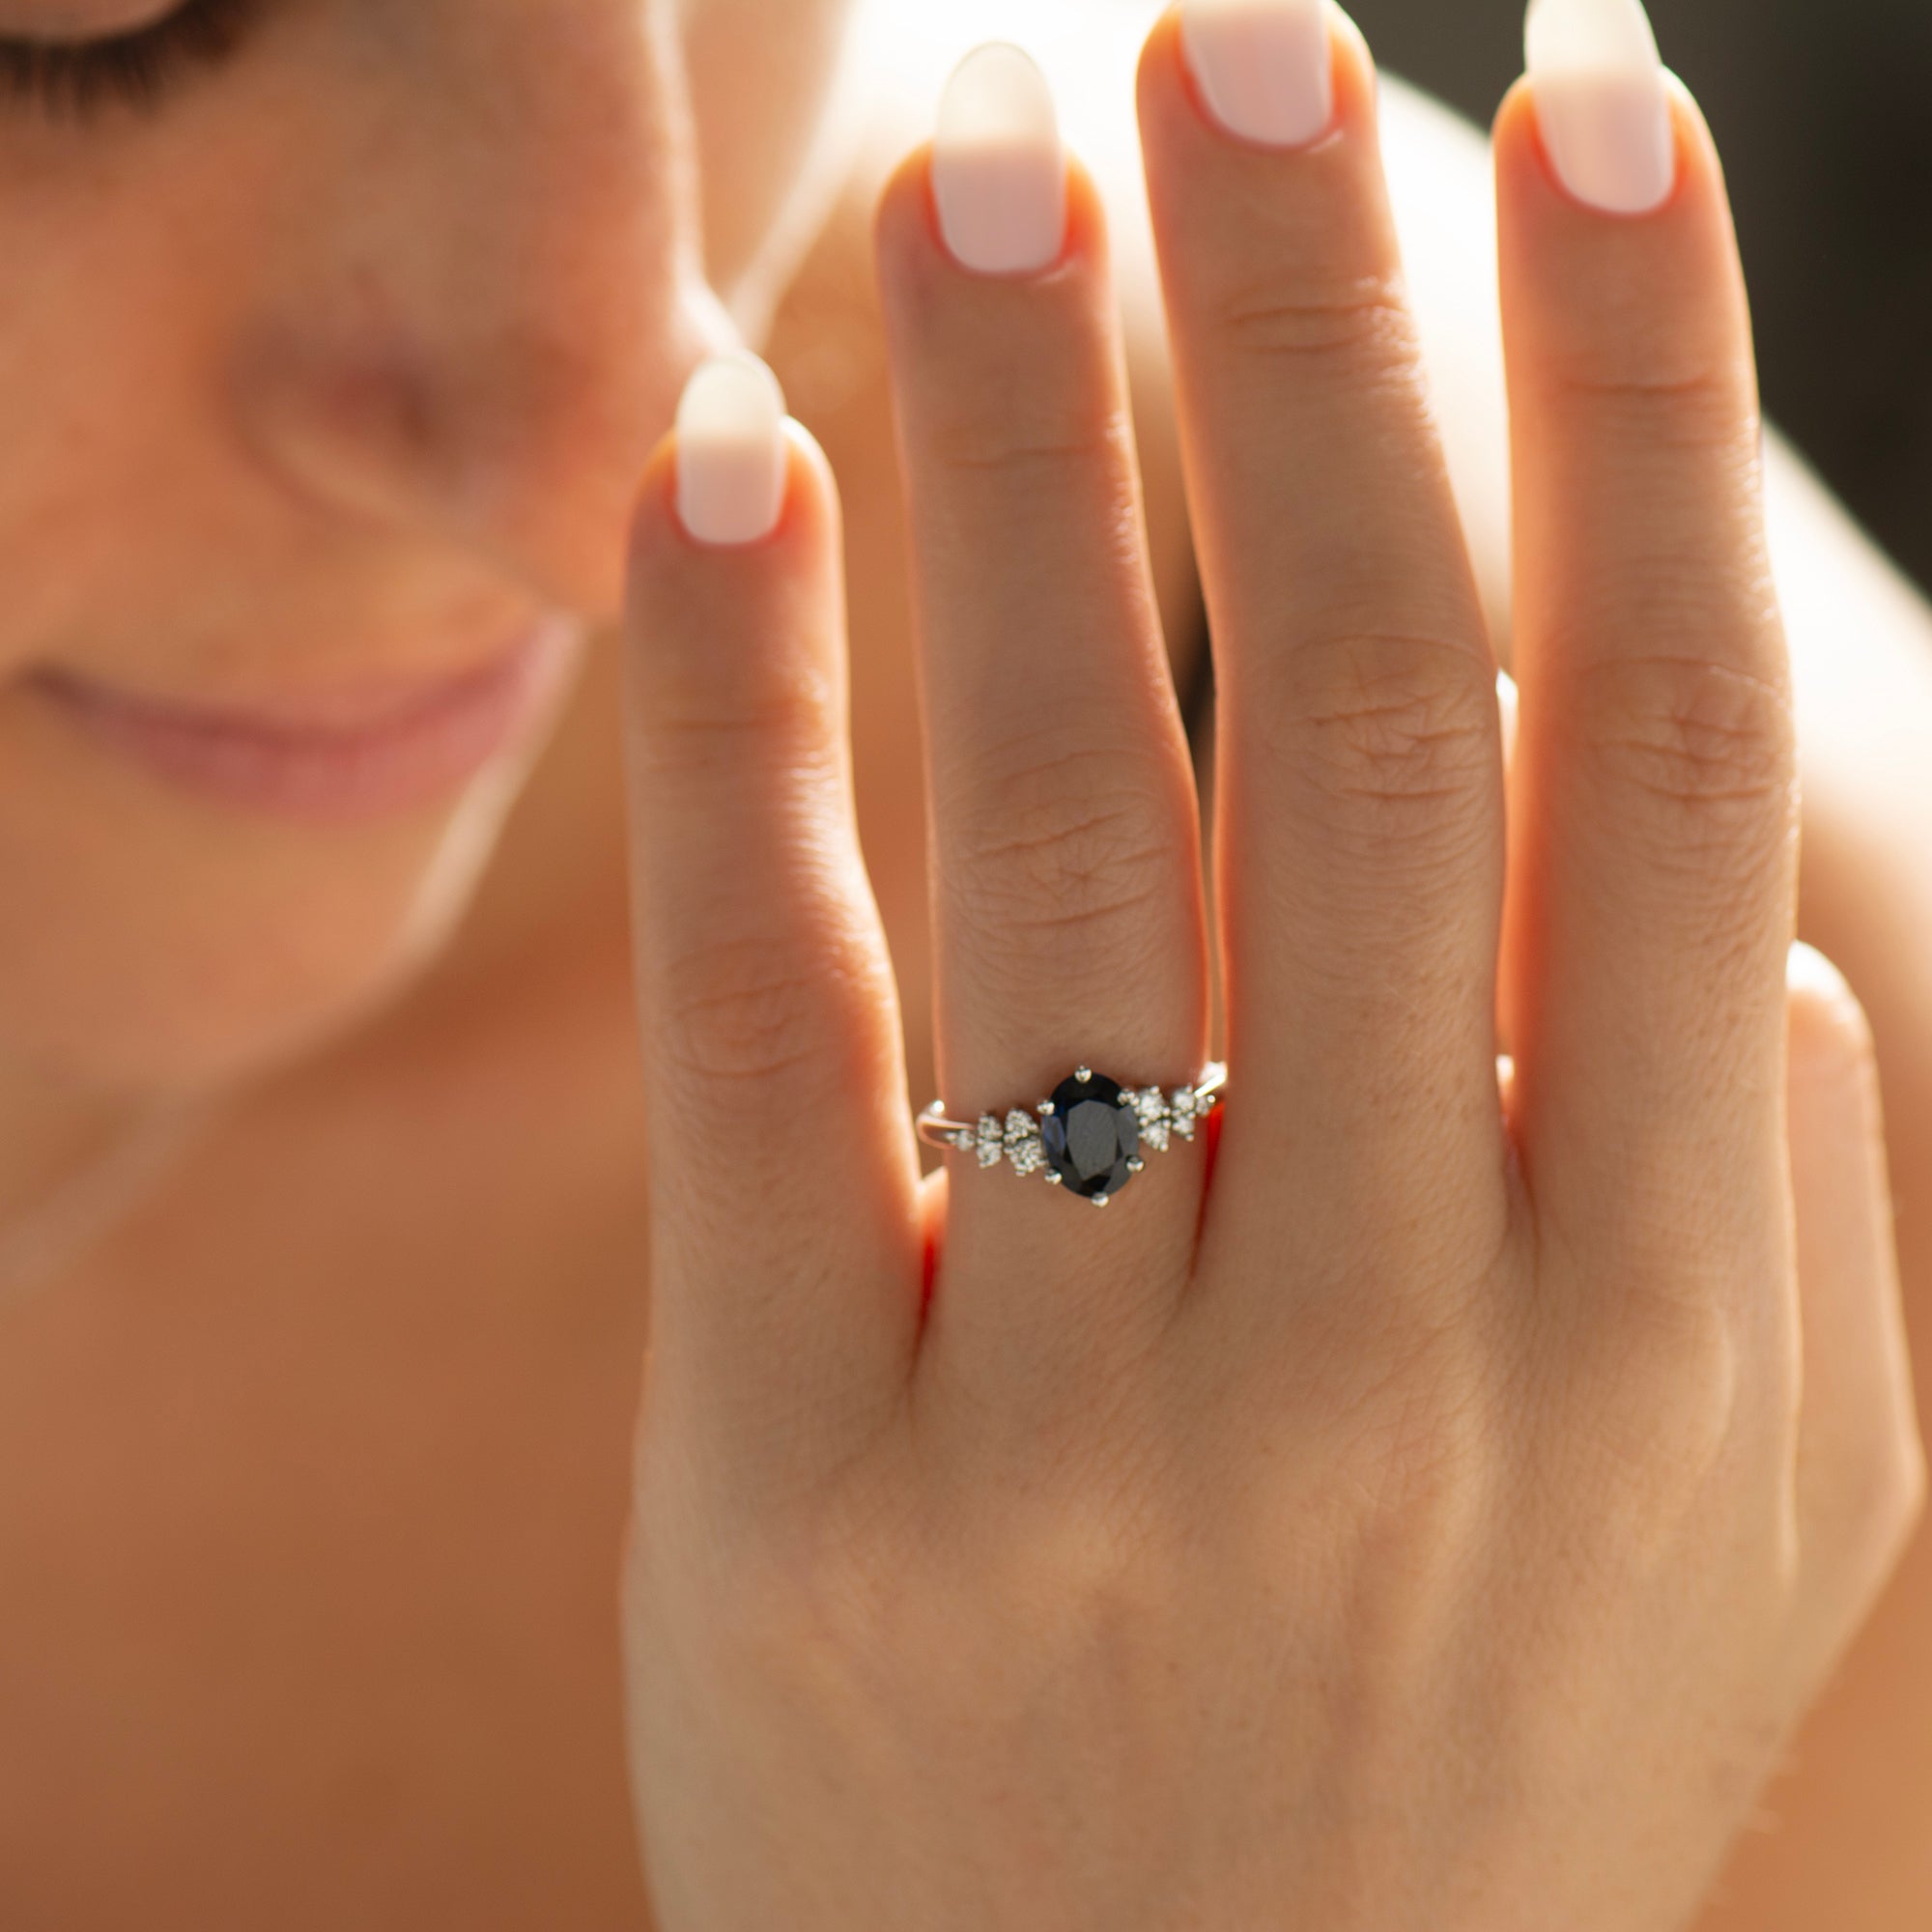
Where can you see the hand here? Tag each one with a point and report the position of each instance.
(1429, 1500)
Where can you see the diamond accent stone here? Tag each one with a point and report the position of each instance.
(1185, 1106)
(989, 1142)
(1024, 1149)
(1151, 1104)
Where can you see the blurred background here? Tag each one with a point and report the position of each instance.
(1824, 116)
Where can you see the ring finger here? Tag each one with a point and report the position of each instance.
(1068, 913)
(1360, 837)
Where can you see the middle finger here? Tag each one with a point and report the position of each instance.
(1359, 835)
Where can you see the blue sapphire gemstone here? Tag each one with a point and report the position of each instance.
(1091, 1134)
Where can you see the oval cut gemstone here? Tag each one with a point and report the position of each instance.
(1092, 1132)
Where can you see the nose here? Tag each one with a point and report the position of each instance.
(481, 281)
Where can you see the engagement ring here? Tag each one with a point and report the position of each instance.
(1087, 1137)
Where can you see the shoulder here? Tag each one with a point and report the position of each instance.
(826, 339)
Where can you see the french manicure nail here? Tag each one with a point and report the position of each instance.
(1264, 67)
(999, 172)
(732, 465)
(1600, 103)
(1808, 971)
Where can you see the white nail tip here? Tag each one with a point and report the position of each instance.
(1590, 34)
(1810, 971)
(731, 463)
(1264, 67)
(999, 171)
(1600, 103)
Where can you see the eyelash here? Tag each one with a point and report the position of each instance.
(137, 69)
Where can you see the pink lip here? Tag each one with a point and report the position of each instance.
(332, 757)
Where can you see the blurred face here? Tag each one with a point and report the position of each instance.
(333, 334)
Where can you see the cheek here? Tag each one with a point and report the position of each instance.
(172, 947)
(103, 388)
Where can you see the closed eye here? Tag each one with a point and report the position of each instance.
(136, 69)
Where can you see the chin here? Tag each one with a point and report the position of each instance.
(165, 940)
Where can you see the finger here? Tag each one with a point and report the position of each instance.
(1859, 1470)
(1509, 704)
(1652, 902)
(1359, 779)
(781, 1171)
(1068, 913)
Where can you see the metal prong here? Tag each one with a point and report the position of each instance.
(1044, 1107)
(1054, 1177)
(1083, 1074)
(1137, 1165)
(1100, 1199)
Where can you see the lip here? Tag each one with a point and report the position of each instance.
(341, 756)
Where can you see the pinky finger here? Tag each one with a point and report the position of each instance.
(781, 1174)
(1861, 1469)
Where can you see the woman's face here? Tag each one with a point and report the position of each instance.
(332, 336)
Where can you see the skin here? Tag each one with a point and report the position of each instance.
(399, 1371)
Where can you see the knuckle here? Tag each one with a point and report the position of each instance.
(1388, 730)
(754, 1008)
(1664, 1390)
(1020, 443)
(1642, 392)
(1878, 1490)
(1417, 1396)
(1914, 1482)
(1704, 752)
(1355, 320)
(1427, 1432)
(1082, 849)
(698, 723)
(799, 1604)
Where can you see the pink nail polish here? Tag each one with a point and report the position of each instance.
(1600, 103)
(732, 465)
(1264, 67)
(999, 171)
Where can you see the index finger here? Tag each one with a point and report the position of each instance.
(785, 1239)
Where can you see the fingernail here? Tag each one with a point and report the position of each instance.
(1810, 971)
(1264, 67)
(731, 451)
(1600, 103)
(999, 173)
